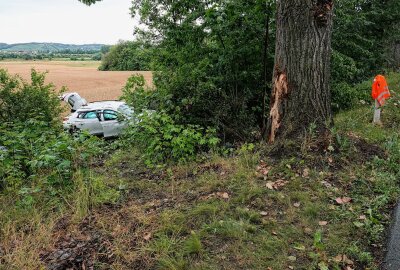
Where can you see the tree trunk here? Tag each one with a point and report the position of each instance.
(301, 91)
(265, 71)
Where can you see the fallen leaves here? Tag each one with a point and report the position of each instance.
(323, 223)
(326, 184)
(276, 185)
(343, 200)
(220, 194)
(343, 259)
(262, 170)
(306, 172)
(223, 195)
(147, 236)
(296, 204)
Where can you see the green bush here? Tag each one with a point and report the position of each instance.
(21, 100)
(157, 128)
(162, 140)
(127, 55)
(37, 154)
(141, 97)
(345, 96)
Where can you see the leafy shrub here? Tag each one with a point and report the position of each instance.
(35, 153)
(21, 100)
(162, 139)
(158, 129)
(141, 97)
(343, 68)
(127, 55)
(345, 97)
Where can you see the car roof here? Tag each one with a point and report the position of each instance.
(102, 105)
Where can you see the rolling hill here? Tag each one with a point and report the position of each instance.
(47, 47)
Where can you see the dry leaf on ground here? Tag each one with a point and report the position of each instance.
(147, 236)
(223, 195)
(343, 200)
(276, 185)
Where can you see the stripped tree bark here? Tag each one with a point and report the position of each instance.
(301, 92)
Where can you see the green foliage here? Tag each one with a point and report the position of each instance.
(346, 97)
(363, 39)
(162, 139)
(156, 130)
(127, 55)
(89, 2)
(141, 97)
(21, 100)
(37, 153)
(209, 58)
(215, 62)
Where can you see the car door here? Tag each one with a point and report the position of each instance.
(90, 121)
(111, 124)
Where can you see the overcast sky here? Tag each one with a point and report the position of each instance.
(65, 21)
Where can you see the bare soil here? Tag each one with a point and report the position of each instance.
(78, 76)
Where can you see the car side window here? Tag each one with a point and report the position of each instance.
(110, 115)
(90, 115)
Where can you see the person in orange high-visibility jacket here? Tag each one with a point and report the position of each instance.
(380, 92)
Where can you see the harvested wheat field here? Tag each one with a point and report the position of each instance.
(78, 76)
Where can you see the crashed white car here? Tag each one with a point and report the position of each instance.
(102, 118)
(74, 100)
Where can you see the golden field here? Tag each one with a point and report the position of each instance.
(78, 76)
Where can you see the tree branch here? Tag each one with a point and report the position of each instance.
(89, 2)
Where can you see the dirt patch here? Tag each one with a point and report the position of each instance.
(80, 249)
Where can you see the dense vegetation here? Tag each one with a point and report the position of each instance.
(216, 59)
(148, 201)
(39, 51)
(187, 186)
(127, 55)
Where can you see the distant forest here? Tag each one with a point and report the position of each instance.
(34, 50)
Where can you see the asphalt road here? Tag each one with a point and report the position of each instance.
(392, 259)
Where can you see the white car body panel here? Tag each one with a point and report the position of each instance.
(104, 118)
(112, 128)
(94, 126)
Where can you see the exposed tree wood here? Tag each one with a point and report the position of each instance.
(301, 92)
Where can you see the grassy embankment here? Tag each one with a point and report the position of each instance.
(312, 204)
